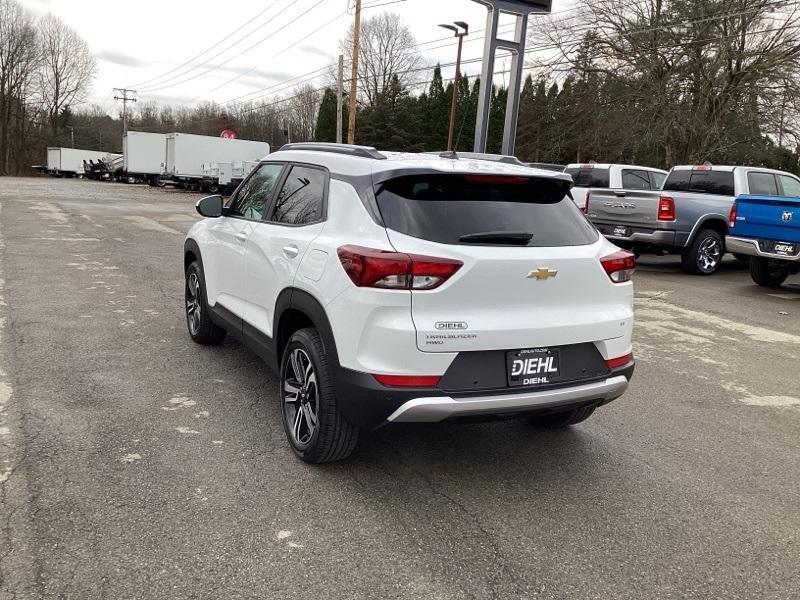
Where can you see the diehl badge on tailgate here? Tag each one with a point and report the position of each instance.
(451, 325)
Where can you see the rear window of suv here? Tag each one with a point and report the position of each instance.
(590, 177)
(707, 182)
(446, 208)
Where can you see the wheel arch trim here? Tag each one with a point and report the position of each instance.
(296, 299)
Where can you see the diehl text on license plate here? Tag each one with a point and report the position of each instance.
(622, 231)
(533, 366)
(783, 249)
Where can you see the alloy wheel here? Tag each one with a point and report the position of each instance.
(300, 397)
(193, 310)
(709, 254)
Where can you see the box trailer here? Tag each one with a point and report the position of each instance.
(224, 177)
(186, 153)
(145, 154)
(69, 162)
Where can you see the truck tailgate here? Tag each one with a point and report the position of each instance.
(624, 207)
(768, 218)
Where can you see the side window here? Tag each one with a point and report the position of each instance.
(762, 184)
(635, 179)
(791, 187)
(300, 201)
(658, 179)
(251, 200)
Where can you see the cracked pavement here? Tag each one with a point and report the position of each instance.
(136, 464)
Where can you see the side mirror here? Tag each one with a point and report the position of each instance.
(210, 206)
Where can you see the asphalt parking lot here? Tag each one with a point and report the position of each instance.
(135, 464)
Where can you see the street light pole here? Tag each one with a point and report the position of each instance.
(461, 30)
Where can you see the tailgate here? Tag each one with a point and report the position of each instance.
(767, 217)
(624, 207)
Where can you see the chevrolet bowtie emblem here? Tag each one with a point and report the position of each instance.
(542, 273)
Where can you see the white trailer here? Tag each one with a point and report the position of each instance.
(145, 154)
(224, 177)
(186, 153)
(69, 162)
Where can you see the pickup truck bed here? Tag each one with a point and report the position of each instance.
(767, 228)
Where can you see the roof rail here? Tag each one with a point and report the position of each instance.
(501, 158)
(347, 149)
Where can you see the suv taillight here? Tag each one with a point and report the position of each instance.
(666, 209)
(732, 216)
(585, 208)
(619, 266)
(368, 267)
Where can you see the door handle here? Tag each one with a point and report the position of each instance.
(291, 251)
(620, 194)
(242, 237)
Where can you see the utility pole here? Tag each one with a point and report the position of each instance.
(71, 134)
(340, 101)
(456, 27)
(351, 127)
(125, 96)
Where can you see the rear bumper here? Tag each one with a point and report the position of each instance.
(640, 235)
(750, 247)
(439, 408)
(367, 404)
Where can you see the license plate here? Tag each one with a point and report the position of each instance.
(621, 231)
(532, 366)
(783, 248)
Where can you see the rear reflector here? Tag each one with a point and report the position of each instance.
(368, 267)
(732, 216)
(619, 266)
(621, 361)
(417, 381)
(666, 209)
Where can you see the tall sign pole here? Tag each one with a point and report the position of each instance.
(520, 10)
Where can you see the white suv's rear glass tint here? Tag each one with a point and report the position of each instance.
(446, 208)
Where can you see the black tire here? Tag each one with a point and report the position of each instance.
(704, 255)
(198, 318)
(333, 437)
(742, 258)
(767, 272)
(562, 419)
(212, 188)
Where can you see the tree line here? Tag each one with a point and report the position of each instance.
(654, 82)
(45, 68)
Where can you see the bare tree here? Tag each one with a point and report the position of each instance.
(18, 54)
(301, 111)
(387, 49)
(67, 67)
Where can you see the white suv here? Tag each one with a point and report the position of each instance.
(387, 287)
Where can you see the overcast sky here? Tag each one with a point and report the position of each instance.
(143, 44)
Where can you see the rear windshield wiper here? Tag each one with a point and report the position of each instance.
(518, 238)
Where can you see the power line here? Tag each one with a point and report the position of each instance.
(242, 26)
(286, 48)
(537, 48)
(227, 60)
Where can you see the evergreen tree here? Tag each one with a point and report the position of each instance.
(326, 118)
(437, 113)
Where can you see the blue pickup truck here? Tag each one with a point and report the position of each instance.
(767, 228)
